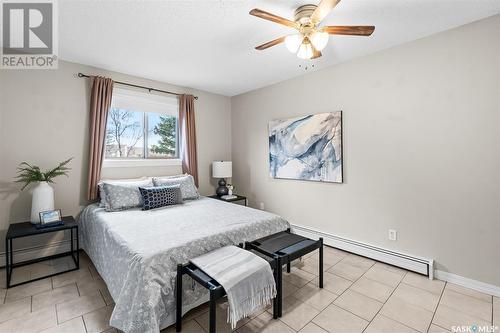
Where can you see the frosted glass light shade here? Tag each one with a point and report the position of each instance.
(305, 51)
(222, 169)
(292, 42)
(319, 40)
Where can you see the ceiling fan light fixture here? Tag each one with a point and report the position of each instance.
(310, 36)
(305, 51)
(293, 42)
(319, 40)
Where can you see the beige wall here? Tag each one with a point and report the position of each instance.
(421, 140)
(421, 149)
(44, 120)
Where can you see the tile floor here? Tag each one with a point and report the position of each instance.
(359, 295)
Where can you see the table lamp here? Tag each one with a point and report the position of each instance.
(222, 170)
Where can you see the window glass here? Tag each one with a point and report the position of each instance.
(125, 134)
(142, 126)
(162, 136)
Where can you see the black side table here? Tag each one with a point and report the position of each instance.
(238, 198)
(25, 229)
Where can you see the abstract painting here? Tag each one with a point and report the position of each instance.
(307, 148)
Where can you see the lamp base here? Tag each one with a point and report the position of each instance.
(222, 189)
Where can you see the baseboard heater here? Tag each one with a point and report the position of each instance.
(411, 263)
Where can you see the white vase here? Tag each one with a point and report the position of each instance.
(42, 200)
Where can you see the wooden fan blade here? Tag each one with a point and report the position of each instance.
(359, 30)
(271, 17)
(316, 53)
(324, 7)
(271, 43)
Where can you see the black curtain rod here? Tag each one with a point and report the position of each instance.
(137, 86)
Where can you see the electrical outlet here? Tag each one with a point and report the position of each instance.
(261, 206)
(393, 235)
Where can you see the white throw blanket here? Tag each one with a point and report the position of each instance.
(247, 279)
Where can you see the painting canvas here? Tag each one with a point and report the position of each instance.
(307, 148)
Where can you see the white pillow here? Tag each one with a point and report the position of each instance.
(142, 181)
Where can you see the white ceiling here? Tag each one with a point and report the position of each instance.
(209, 45)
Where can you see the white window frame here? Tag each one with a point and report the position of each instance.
(145, 102)
(141, 162)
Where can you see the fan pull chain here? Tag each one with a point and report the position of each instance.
(306, 67)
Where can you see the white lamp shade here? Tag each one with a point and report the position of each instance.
(305, 51)
(222, 169)
(319, 40)
(293, 42)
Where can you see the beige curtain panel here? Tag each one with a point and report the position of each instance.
(101, 92)
(188, 136)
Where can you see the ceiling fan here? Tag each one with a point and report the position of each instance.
(310, 39)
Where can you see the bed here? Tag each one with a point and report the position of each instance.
(136, 252)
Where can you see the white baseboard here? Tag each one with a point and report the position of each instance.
(420, 265)
(405, 261)
(483, 287)
(38, 251)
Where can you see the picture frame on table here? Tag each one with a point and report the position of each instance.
(50, 218)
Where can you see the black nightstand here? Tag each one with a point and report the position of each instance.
(25, 229)
(238, 198)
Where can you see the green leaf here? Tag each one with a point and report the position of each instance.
(27, 173)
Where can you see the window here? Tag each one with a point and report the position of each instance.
(141, 126)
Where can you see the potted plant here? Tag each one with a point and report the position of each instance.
(43, 193)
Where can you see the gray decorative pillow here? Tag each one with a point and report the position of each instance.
(122, 196)
(188, 189)
(173, 176)
(144, 181)
(160, 196)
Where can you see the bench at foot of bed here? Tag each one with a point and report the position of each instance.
(217, 291)
(277, 249)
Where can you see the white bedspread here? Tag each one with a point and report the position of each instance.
(136, 252)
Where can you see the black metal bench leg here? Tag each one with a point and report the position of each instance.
(275, 308)
(288, 267)
(279, 287)
(77, 249)
(321, 262)
(212, 314)
(275, 300)
(7, 264)
(178, 296)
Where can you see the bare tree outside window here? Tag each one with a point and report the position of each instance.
(124, 134)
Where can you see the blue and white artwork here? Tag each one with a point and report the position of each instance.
(307, 148)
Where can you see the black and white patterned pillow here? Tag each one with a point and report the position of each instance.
(160, 196)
